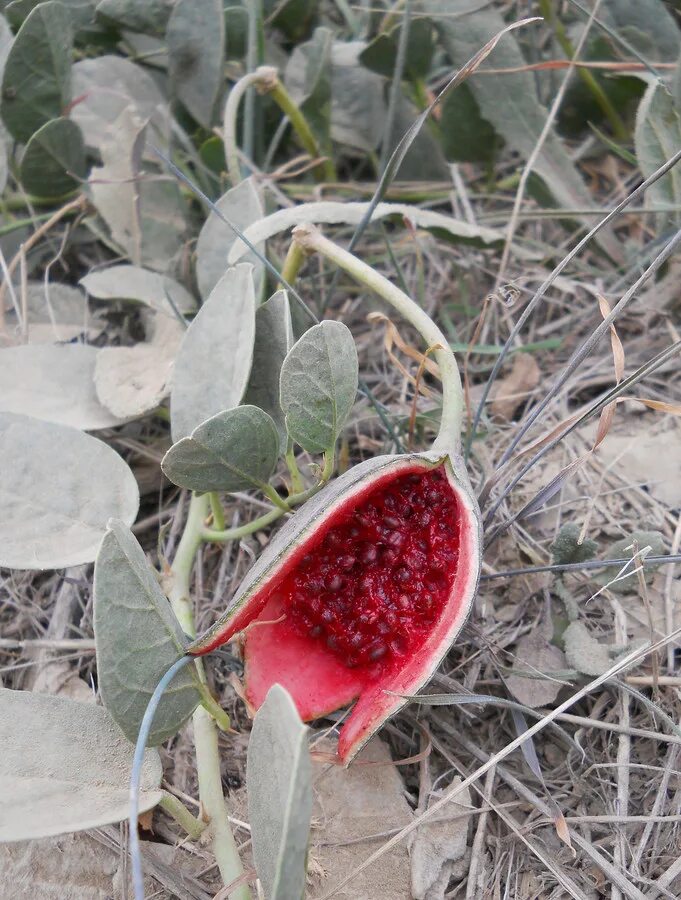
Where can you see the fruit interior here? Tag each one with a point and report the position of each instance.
(381, 574)
(360, 600)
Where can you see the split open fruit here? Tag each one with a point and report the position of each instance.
(361, 593)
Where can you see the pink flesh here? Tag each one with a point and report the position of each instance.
(366, 602)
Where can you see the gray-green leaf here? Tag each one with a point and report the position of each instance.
(36, 83)
(308, 78)
(125, 282)
(318, 385)
(146, 16)
(279, 780)
(54, 160)
(567, 549)
(657, 137)
(58, 489)
(273, 340)
(138, 639)
(212, 368)
(196, 49)
(65, 767)
(241, 205)
(54, 382)
(233, 451)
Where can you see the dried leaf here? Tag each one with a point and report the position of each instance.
(583, 652)
(533, 655)
(65, 767)
(514, 389)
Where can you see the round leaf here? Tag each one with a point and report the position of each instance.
(279, 781)
(54, 155)
(58, 489)
(318, 385)
(54, 382)
(125, 282)
(196, 46)
(36, 84)
(138, 639)
(242, 206)
(212, 368)
(233, 451)
(65, 767)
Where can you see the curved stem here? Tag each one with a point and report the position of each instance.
(449, 435)
(205, 730)
(231, 109)
(217, 510)
(302, 128)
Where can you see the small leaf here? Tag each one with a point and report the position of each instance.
(583, 652)
(380, 54)
(279, 780)
(533, 655)
(648, 25)
(146, 16)
(65, 767)
(242, 206)
(53, 382)
(54, 160)
(108, 84)
(36, 84)
(196, 49)
(58, 489)
(358, 107)
(656, 139)
(233, 451)
(318, 385)
(124, 282)
(566, 549)
(138, 639)
(214, 362)
(273, 340)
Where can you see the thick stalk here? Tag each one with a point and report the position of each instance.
(302, 128)
(229, 128)
(449, 435)
(205, 729)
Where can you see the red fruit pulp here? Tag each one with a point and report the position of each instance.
(365, 599)
(380, 574)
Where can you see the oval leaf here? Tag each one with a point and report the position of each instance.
(54, 160)
(318, 385)
(233, 451)
(65, 767)
(273, 341)
(196, 49)
(138, 639)
(279, 780)
(241, 205)
(212, 368)
(36, 84)
(53, 382)
(126, 282)
(58, 489)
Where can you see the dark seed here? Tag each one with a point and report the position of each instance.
(391, 521)
(368, 553)
(316, 631)
(378, 651)
(346, 561)
(334, 583)
(402, 574)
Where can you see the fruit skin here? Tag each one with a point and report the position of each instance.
(323, 673)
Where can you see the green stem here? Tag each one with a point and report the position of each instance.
(272, 495)
(302, 128)
(619, 128)
(449, 436)
(292, 464)
(178, 811)
(205, 731)
(217, 510)
(234, 534)
(294, 260)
